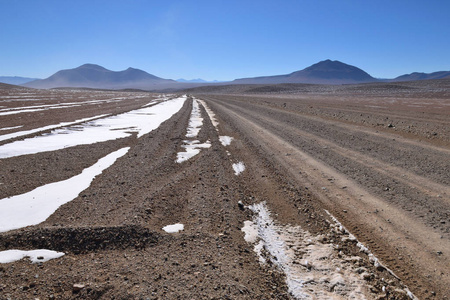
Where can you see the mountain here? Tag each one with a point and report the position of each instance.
(324, 72)
(423, 76)
(198, 80)
(95, 76)
(16, 79)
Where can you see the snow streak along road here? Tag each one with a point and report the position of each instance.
(36, 206)
(141, 121)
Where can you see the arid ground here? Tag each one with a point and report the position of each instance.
(345, 194)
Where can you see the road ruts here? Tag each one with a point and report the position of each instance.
(392, 192)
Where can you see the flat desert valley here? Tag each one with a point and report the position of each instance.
(287, 191)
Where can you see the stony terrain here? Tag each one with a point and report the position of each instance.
(375, 156)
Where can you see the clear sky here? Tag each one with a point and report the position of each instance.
(223, 40)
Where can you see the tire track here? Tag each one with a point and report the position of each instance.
(427, 186)
(402, 143)
(406, 244)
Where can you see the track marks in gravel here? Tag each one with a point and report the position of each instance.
(398, 183)
(390, 232)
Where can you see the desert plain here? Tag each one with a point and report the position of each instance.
(287, 191)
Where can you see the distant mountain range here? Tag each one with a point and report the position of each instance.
(423, 76)
(198, 80)
(324, 72)
(15, 79)
(95, 76)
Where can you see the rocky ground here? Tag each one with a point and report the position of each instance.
(378, 163)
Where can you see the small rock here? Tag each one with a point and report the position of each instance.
(40, 257)
(241, 205)
(77, 287)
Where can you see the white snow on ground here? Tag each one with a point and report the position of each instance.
(10, 128)
(210, 113)
(338, 227)
(173, 228)
(33, 108)
(160, 98)
(37, 205)
(313, 269)
(49, 127)
(36, 256)
(193, 147)
(13, 112)
(238, 168)
(225, 140)
(251, 232)
(141, 121)
(195, 122)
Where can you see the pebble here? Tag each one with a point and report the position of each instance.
(241, 205)
(78, 287)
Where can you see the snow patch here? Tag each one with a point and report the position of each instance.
(37, 205)
(238, 168)
(173, 228)
(140, 121)
(192, 149)
(45, 128)
(225, 140)
(36, 256)
(210, 113)
(251, 232)
(195, 122)
(362, 248)
(10, 128)
(313, 270)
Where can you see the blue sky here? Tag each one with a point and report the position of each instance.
(223, 40)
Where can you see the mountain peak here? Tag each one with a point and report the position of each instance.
(92, 67)
(334, 70)
(329, 64)
(324, 72)
(95, 76)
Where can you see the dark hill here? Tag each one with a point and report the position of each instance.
(7, 86)
(423, 76)
(15, 79)
(95, 76)
(324, 72)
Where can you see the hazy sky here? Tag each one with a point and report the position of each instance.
(223, 40)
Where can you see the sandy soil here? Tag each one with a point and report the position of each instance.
(388, 185)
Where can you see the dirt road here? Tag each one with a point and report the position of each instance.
(391, 191)
(272, 168)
